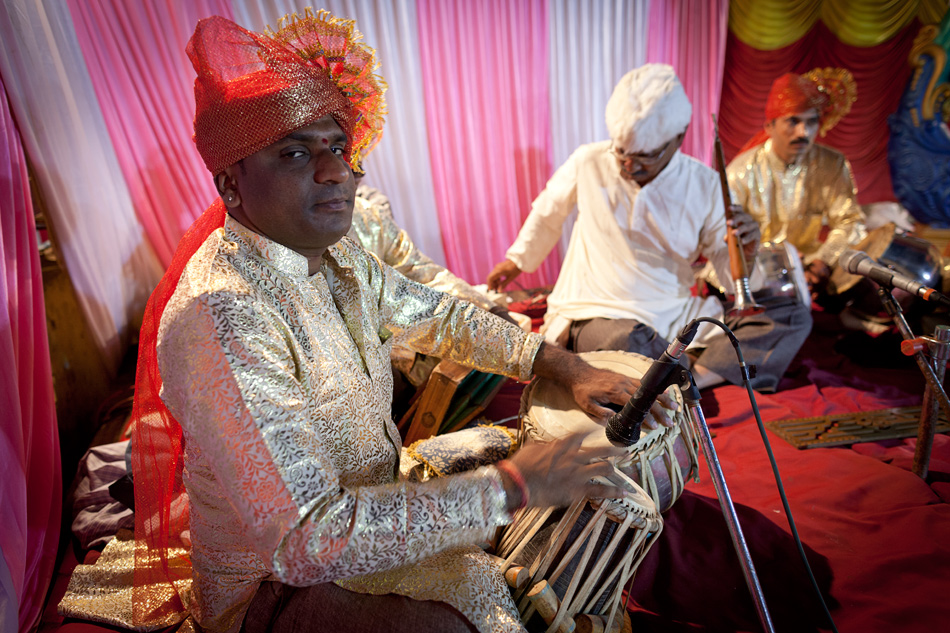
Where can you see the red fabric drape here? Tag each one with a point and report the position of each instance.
(30, 484)
(881, 73)
(161, 517)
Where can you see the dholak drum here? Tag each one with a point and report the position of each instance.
(565, 564)
(660, 462)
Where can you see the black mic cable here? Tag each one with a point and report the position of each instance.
(746, 381)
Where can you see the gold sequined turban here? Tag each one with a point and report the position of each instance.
(253, 89)
(831, 91)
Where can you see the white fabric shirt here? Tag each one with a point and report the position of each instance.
(632, 248)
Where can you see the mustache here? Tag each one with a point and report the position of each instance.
(801, 141)
(333, 194)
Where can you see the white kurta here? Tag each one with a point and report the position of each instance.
(632, 249)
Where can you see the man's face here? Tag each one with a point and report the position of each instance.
(298, 191)
(642, 168)
(793, 134)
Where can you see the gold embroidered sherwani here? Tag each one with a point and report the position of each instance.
(282, 384)
(795, 202)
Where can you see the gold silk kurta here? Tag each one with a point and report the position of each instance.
(795, 202)
(282, 384)
(376, 231)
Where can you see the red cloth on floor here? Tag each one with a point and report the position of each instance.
(876, 535)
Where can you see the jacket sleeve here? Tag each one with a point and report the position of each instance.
(542, 229)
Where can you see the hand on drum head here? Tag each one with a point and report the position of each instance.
(559, 473)
(604, 387)
(593, 388)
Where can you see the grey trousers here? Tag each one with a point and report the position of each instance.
(769, 341)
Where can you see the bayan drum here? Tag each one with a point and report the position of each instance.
(782, 273)
(910, 256)
(660, 462)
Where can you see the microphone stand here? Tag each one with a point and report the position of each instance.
(935, 396)
(682, 377)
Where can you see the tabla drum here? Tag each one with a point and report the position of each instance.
(564, 564)
(660, 462)
(782, 273)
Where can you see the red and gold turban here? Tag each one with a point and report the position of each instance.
(831, 91)
(253, 89)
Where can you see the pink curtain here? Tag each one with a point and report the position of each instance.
(135, 52)
(30, 479)
(485, 69)
(690, 35)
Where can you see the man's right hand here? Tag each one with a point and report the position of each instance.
(559, 473)
(502, 275)
(817, 274)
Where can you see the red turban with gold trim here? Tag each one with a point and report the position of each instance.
(253, 89)
(831, 91)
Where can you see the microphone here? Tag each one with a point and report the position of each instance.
(623, 427)
(860, 263)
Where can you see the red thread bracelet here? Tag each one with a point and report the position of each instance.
(512, 471)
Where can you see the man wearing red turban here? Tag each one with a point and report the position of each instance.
(266, 462)
(802, 192)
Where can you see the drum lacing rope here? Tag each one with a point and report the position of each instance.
(677, 479)
(643, 455)
(692, 448)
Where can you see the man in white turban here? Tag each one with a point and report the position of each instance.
(645, 214)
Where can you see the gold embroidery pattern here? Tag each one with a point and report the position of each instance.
(795, 202)
(282, 384)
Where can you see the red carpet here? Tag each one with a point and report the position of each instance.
(877, 537)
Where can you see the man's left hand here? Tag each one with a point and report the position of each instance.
(746, 229)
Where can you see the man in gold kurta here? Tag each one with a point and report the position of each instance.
(376, 230)
(273, 351)
(799, 191)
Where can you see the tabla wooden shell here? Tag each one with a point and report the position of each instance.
(548, 412)
(578, 560)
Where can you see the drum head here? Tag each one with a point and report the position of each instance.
(552, 413)
(875, 244)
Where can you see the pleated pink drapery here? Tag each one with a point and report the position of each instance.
(485, 69)
(30, 479)
(135, 53)
(691, 37)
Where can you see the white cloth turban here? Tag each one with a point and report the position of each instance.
(647, 109)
